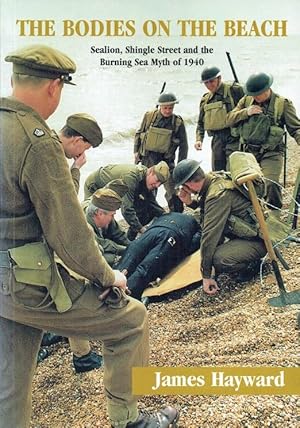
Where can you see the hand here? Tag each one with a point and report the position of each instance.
(210, 286)
(254, 109)
(120, 280)
(184, 195)
(198, 145)
(79, 161)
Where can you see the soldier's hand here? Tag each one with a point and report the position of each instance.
(184, 195)
(79, 161)
(254, 109)
(120, 280)
(198, 145)
(210, 286)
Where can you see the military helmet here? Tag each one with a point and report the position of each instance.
(167, 98)
(210, 73)
(184, 170)
(258, 83)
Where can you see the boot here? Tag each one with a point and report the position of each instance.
(88, 362)
(165, 418)
(50, 339)
(249, 273)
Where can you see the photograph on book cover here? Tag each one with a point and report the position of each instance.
(160, 80)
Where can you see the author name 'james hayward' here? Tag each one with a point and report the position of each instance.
(219, 379)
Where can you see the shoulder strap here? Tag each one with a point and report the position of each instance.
(150, 118)
(278, 108)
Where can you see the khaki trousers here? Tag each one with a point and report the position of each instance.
(123, 332)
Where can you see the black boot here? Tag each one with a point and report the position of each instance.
(165, 418)
(249, 272)
(50, 338)
(88, 362)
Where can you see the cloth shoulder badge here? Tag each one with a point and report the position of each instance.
(38, 132)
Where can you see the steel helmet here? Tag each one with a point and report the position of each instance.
(258, 83)
(184, 170)
(210, 73)
(167, 98)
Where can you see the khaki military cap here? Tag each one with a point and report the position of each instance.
(161, 170)
(42, 61)
(86, 126)
(106, 199)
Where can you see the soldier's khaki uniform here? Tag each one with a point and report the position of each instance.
(218, 202)
(175, 144)
(269, 153)
(139, 205)
(34, 182)
(112, 240)
(214, 106)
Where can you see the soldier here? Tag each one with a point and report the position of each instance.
(225, 212)
(41, 214)
(214, 105)
(139, 205)
(161, 135)
(261, 116)
(100, 210)
(80, 133)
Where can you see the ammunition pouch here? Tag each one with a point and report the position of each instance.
(241, 228)
(158, 139)
(215, 116)
(33, 264)
(275, 138)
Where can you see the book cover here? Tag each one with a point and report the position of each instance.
(126, 52)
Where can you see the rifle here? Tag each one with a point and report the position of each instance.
(284, 157)
(162, 90)
(232, 67)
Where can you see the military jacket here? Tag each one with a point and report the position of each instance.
(178, 141)
(112, 240)
(236, 92)
(218, 200)
(288, 118)
(34, 182)
(138, 197)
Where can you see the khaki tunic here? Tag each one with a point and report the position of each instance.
(270, 160)
(38, 199)
(223, 144)
(139, 205)
(216, 206)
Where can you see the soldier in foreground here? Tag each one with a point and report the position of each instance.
(260, 118)
(162, 136)
(40, 214)
(225, 212)
(214, 106)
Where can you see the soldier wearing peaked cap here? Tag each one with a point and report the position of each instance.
(80, 133)
(40, 219)
(100, 209)
(139, 205)
(161, 136)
